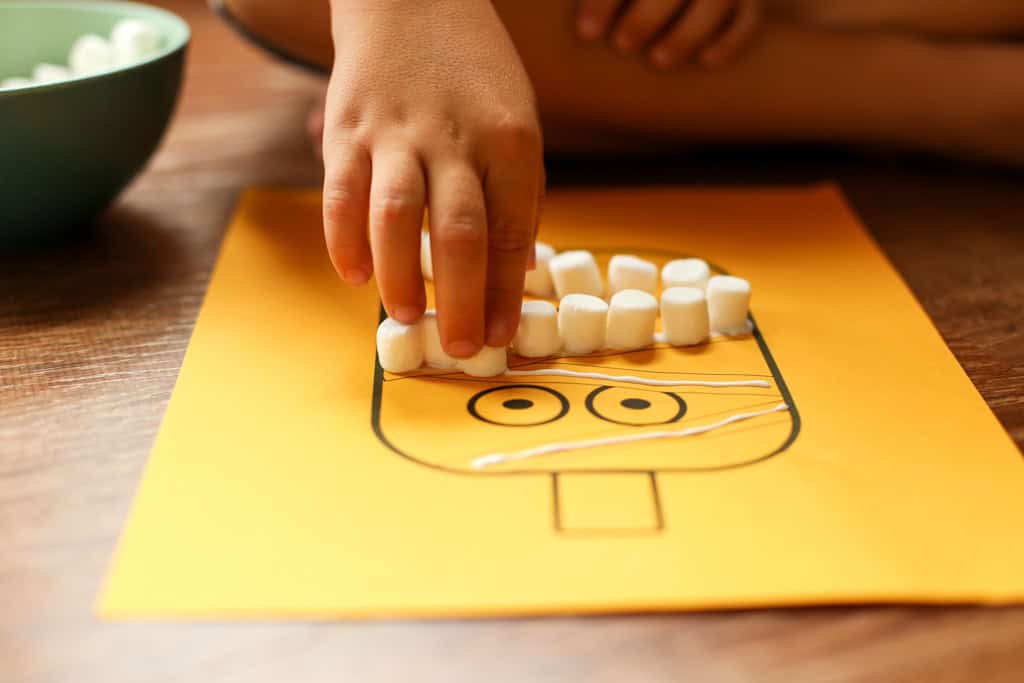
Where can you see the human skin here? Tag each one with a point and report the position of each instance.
(804, 77)
(672, 32)
(429, 107)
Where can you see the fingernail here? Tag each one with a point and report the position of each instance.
(500, 332)
(355, 276)
(461, 349)
(407, 314)
(588, 27)
(661, 57)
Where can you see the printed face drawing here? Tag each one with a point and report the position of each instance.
(509, 414)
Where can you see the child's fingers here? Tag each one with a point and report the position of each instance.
(346, 198)
(458, 245)
(642, 21)
(702, 21)
(594, 17)
(512, 194)
(742, 28)
(396, 218)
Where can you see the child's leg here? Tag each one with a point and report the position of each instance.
(794, 84)
(951, 18)
(301, 29)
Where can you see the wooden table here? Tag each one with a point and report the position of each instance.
(91, 338)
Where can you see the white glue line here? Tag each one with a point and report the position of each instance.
(638, 380)
(501, 458)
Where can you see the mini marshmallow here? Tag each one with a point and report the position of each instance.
(728, 304)
(575, 272)
(632, 315)
(631, 272)
(538, 280)
(426, 260)
(537, 335)
(134, 40)
(488, 362)
(15, 83)
(91, 54)
(685, 272)
(433, 353)
(581, 323)
(50, 73)
(684, 316)
(399, 346)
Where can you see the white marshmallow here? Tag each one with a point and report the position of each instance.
(15, 83)
(728, 304)
(631, 272)
(684, 316)
(581, 323)
(399, 346)
(575, 272)
(50, 73)
(537, 335)
(632, 315)
(685, 272)
(433, 353)
(91, 54)
(134, 40)
(538, 281)
(426, 260)
(488, 362)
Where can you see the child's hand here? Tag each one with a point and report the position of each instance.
(675, 31)
(429, 106)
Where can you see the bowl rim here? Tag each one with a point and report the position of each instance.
(104, 7)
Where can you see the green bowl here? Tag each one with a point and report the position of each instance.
(67, 149)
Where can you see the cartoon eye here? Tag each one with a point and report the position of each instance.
(518, 405)
(635, 407)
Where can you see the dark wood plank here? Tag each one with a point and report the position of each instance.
(92, 335)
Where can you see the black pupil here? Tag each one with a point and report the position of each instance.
(518, 403)
(635, 403)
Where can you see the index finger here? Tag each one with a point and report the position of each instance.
(743, 26)
(697, 27)
(513, 195)
(458, 246)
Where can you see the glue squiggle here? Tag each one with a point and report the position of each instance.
(638, 380)
(502, 458)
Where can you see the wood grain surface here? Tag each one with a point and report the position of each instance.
(92, 335)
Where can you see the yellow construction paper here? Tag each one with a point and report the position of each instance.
(292, 478)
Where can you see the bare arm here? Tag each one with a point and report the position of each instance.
(430, 107)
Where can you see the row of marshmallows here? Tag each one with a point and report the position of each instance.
(131, 40)
(576, 272)
(693, 305)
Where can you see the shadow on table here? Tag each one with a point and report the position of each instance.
(125, 253)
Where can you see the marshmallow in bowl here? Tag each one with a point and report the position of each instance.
(12, 83)
(50, 73)
(91, 54)
(134, 40)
